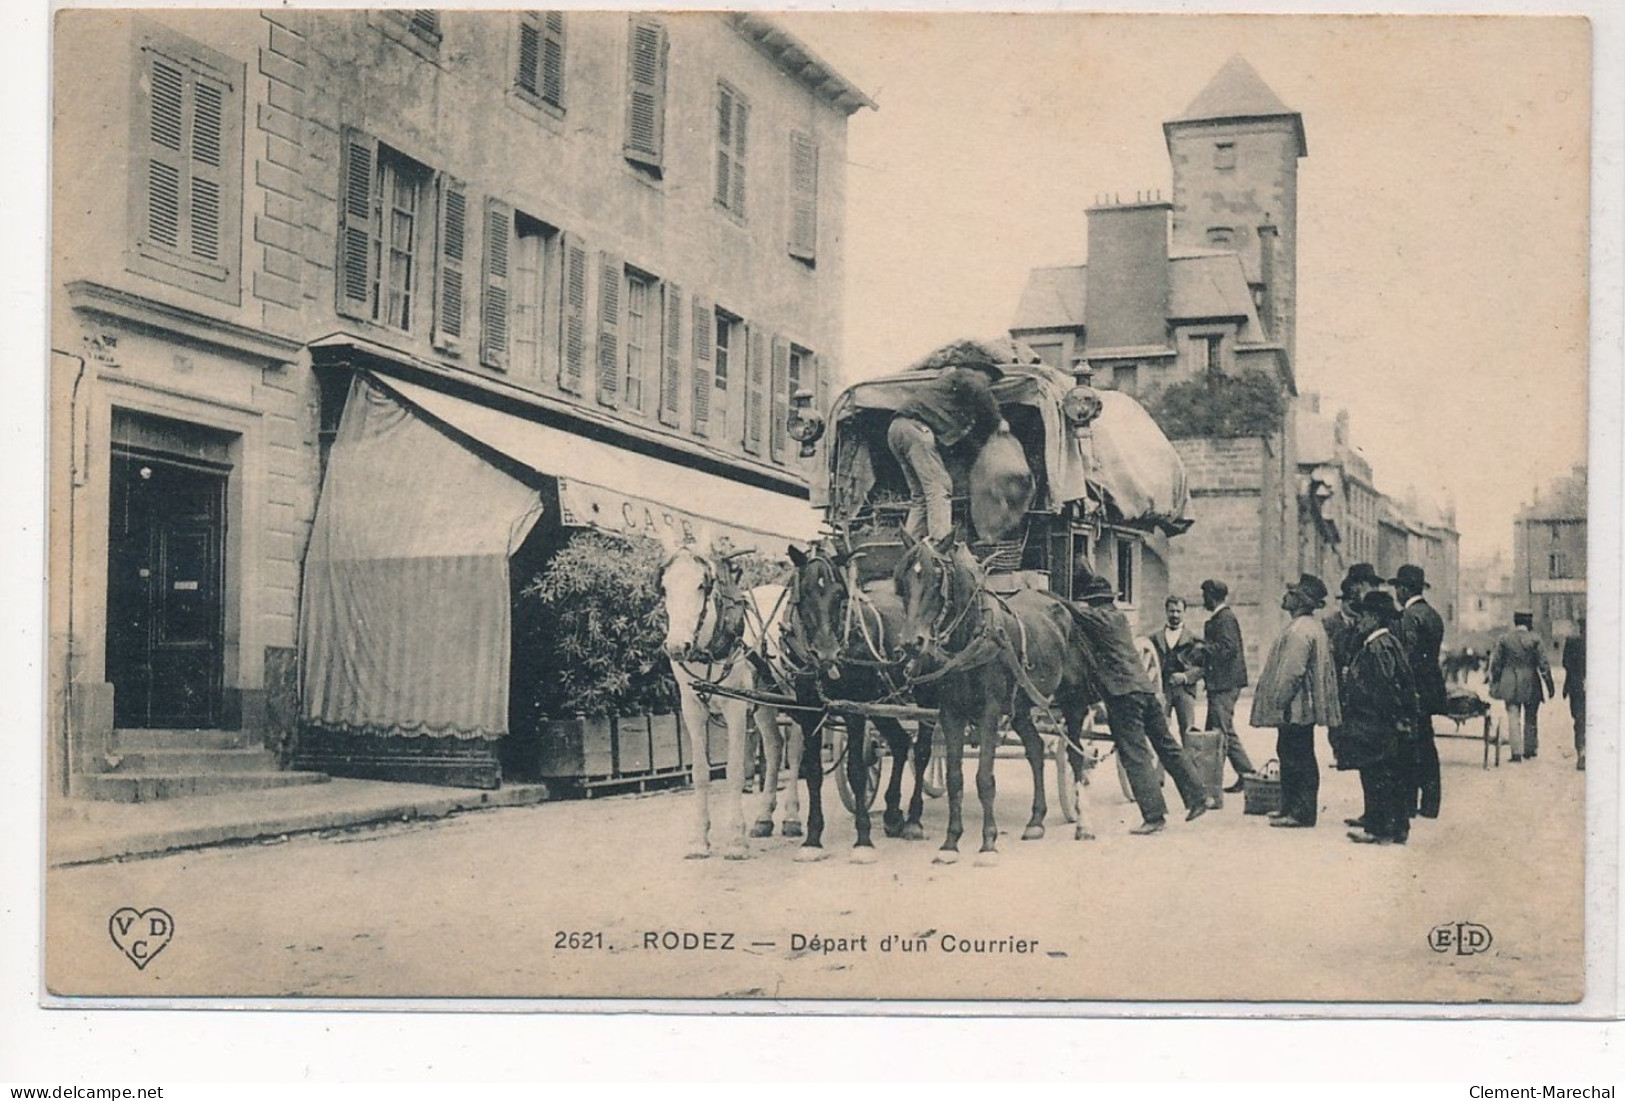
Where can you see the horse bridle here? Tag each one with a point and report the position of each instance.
(711, 593)
(941, 628)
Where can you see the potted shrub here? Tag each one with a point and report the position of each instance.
(591, 629)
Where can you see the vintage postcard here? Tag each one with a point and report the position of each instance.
(887, 509)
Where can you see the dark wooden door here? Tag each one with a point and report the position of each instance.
(165, 614)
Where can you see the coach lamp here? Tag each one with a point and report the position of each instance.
(806, 423)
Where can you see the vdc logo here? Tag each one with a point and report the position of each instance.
(1465, 937)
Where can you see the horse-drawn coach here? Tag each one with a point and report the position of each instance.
(966, 633)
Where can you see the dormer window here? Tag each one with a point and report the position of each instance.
(1221, 236)
(1224, 155)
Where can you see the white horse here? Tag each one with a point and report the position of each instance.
(717, 632)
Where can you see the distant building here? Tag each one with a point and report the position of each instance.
(1200, 285)
(597, 252)
(1339, 505)
(1486, 601)
(1549, 556)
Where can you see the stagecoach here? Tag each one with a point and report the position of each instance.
(1110, 489)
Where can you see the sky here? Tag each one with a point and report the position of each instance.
(1442, 225)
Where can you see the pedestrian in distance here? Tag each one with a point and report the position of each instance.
(1224, 669)
(1518, 672)
(1378, 699)
(1179, 653)
(1574, 689)
(1134, 714)
(1296, 692)
(955, 411)
(1421, 633)
(1345, 633)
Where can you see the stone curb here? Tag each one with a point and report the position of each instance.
(307, 821)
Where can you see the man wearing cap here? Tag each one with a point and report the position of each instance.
(1518, 670)
(1133, 712)
(1296, 692)
(1379, 715)
(1224, 668)
(955, 411)
(1421, 633)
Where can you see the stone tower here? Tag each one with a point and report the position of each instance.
(1235, 153)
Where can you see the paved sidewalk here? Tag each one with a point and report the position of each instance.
(80, 831)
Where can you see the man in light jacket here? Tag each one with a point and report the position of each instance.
(1297, 691)
(1518, 670)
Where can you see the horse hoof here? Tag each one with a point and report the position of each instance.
(864, 854)
(697, 854)
(1032, 833)
(764, 828)
(986, 860)
(945, 856)
(791, 828)
(913, 832)
(893, 831)
(809, 854)
(1081, 834)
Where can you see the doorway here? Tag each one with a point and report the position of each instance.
(165, 582)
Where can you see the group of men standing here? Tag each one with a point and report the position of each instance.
(1369, 673)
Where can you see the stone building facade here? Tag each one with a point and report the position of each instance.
(1549, 556)
(626, 227)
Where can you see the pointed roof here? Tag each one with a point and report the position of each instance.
(1238, 92)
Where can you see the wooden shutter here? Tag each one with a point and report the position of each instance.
(703, 322)
(209, 182)
(671, 361)
(646, 92)
(803, 197)
(778, 408)
(530, 52)
(725, 140)
(358, 261)
(611, 277)
(453, 249)
(496, 284)
(553, 58)
(756, 384)
(425, 23)
(741, 127)
(820, 387)
(573, 316)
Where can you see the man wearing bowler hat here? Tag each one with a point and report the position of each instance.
(1297, 691)
(1421, 633)
(1518, 670)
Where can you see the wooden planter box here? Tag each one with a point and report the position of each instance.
(573, 749)
(665, 743)
(633, 756)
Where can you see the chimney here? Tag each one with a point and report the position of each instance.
(1340, 431)
(1127, 305)
(1269, 239)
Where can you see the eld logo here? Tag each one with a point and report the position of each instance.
(1466, 937)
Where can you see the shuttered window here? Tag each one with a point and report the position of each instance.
(384, 202)
(702, 328)
(496, 278)
(727, 371)
(573, 316)
(534, 298)
(186, 183)
(425, 23)
(611, 274)
(646, 93)
(541, 56)
(803, 198)
(733, 121)
(672, 352)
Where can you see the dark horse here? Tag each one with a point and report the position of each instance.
(850, 638)
(989, 657)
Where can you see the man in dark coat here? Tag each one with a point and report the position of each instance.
(1224, 668)
(1179, 655)
(1421, 633)
(1133, 712)
(956, 410)
(1379, 716)
(1574, 689)
(1344, 632)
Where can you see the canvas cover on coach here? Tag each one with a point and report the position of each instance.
(1128, 458)
(405, 612)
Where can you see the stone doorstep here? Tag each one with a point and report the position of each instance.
(91, 833)
(177, 761)
(145, 787)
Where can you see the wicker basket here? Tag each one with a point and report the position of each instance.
(1262, 795)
